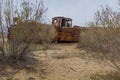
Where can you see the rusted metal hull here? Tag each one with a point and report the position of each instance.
(68, 34)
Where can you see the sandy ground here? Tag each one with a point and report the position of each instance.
(72, 67)
(64, 62)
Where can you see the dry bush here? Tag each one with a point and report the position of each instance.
(104, 40)
(16, 55)
(103, 36)
(107, 76)
(47, 36)
(100, 38)
(23, 31)
(21, 37)
(28, 30)
(17, 51)
(36, 32)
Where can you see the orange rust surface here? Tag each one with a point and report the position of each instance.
(65, 32)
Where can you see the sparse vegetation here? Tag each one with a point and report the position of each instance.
(47, 36)
(17, 53)
(16, 48)
(107, 76)
(17, 56)
(103, 37)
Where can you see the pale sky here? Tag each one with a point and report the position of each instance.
(81, 11)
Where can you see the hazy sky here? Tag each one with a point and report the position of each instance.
(81, 11)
